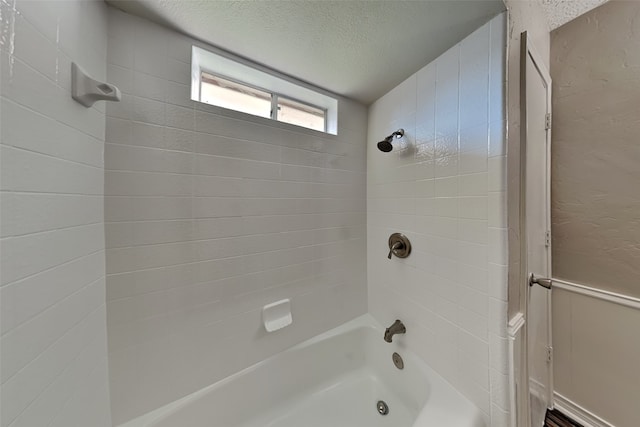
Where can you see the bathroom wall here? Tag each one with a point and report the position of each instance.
(211, 214)
(444, 187)
(595, 67)
(52, 293)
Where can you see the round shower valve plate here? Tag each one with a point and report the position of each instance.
(399, 245)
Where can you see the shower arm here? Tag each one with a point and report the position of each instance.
(398, 134)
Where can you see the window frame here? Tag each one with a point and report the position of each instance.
(242, 72)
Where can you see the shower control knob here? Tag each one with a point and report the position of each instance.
(399, 245)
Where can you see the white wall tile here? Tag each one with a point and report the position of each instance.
(474, 138)
(459, 226)
(498, 281)
(497, 316)
(498, 354)
(497, 141)
(499, 417)
(210, 215)
(473, 161)
(497, 212)
(473, 184)
(497, 75)
(497, 249)
(473, 207)
(500, 389)
(497, 173)
(474, 78)
(53, 314)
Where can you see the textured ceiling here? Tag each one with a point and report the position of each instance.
(359, 49)
(559, 12)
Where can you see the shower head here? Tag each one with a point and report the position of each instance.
(385, 145)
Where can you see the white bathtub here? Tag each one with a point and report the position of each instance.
(332, 380)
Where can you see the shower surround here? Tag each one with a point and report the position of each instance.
(211, 214)
(53, 344)
(208, 214)
(443, 186)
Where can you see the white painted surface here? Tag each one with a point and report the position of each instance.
(444, 187)
(352, 370)
(537, 198)
(52, 314)
(596, 353)
(356, 49)
(211, 214)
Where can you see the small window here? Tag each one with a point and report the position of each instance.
(297, 113)
(234, 96)
(228, 83)
(226, 93)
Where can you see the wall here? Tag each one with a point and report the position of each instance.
(210, 215)
(53, 321)
(596, 358)
(595, 151)
(444, 187)
(596, 71)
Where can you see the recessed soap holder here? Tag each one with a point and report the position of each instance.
(277, 315)
(87, 90)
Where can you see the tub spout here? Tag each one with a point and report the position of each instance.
(397, 328)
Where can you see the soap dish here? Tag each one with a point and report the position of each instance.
(277, 315)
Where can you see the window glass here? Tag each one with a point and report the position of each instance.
(236, 84)
(235, 96)
(297, 113)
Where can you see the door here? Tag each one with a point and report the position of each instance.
(536, 128)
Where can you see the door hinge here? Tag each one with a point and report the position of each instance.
(547, 121)
(547, 239)
(549, 354)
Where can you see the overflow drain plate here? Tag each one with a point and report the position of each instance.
(397, 360)
(383, 409)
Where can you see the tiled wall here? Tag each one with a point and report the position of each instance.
(210, 215)
(444, 187)
(53, 319)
